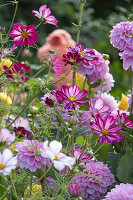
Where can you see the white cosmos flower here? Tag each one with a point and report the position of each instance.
(7, 162)
(59, 160)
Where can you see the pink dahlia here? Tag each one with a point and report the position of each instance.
(23, 35)
(106, 129)
(121, 192)
(71, 96)
(96, 181)
(17, 71)
(98, 107)
(71, 58)
(44, 15)
(29, 155)
(127, 56)
(75, 189)
(94, 69)
(121, 35)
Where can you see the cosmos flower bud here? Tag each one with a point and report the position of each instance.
(75, 189)
(51, 51)
(105, 56)
(34, 110)
(2, 29)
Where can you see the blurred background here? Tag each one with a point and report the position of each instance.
(97, 21)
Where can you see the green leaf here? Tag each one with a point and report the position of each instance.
(127, 135)
(125, 168)
(3, 186)
(59, 117)
(113, 160)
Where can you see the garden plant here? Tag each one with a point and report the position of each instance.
(62, 134)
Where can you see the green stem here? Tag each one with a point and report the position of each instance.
(82, 3)
(38, 25)
(74, 75)
(31, 183)
(19, 52)
(16, 2)
(13, 187)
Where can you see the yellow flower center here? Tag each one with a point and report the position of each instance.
(2, 166)
(81, 53)
(56, 157)
(105, 132)
(72, 99)
(72, 60)
(14, 75)
(24, 34)
(19, 133)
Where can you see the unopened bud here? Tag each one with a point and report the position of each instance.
(29, 134)
(82, 166)
(51, 51)
(69, 130)
(75, 189)
(72, 121)
(34, 110)
(2, 29)
(105, 56)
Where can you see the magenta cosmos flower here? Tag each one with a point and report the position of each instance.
(121, 192)
(71, 96)
(121, 35)
(106, 129)
(44, 15)
(71, 58)
(17, 71)
(23, 35)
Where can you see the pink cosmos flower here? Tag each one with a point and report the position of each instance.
(71, 58)
(98, 107)
(7, 162)
(17, 71)
(121, 35)
(23, 35)
(44, 15)
(7, 51)
(106, 129)
(127, 56)
(6, 137)
(71, 96)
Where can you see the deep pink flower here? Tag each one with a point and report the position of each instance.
(57, 65)
(18, 71)
(127, 122)
(44, 15)
(98, 107)
(121, 35)
(23, 35)
(127, 56)
(71, 58)
(71, 96)
(29, 155)
(75, 189)
(106, 129)
(77, 151)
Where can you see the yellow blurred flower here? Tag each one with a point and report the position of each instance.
(36, 190)
(5, 61)
(123, 104)
(80, 81)
(6, 100)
